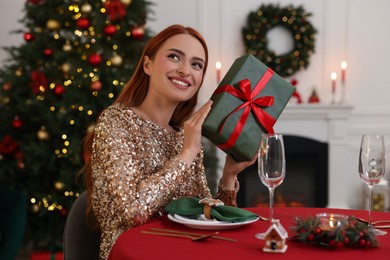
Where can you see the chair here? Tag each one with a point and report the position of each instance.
(13, 219)
(80, 241)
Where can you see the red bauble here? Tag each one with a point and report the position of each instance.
(96, 86)
(48, 52)
(34, 1)
(7, 86)
(83, 23)
(95, 59)
(138, 33)
(28, 37)
(17, 123)
(59, 90)
(64, 212)
(110, 30)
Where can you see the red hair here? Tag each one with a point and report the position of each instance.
(134, 93)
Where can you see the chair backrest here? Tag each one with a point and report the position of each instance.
(12, 221)
(80, 241)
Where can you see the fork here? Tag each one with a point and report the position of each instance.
(193, 238)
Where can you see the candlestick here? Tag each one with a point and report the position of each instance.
(343, 69)
(218, 66)
(333, 77)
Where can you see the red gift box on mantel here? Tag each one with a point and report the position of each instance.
(247, 103)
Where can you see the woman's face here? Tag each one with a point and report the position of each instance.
(176, 72)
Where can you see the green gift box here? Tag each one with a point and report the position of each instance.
(247, 103)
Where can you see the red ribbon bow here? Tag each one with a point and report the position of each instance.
(251, 103)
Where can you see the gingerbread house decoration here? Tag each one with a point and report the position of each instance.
(275, 238)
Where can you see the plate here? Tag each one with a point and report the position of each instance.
(203, 223)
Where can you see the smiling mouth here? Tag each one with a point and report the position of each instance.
(181, 83)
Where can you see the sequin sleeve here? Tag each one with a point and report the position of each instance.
(135, 173)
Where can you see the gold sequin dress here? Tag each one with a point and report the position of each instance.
(135, 173)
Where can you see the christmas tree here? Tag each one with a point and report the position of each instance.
(76, 57)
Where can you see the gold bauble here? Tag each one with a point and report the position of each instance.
(116, 60)
(59, 185)
(43, 134)
(91, 128)
(65, 67)
(34, 208)
(67, 46)
(86, 8)
(53, 24)
(18, 72)
(126, 2)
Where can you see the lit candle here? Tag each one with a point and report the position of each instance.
(343, 69)
(218, 66)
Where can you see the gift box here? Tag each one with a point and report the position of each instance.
(247, 103)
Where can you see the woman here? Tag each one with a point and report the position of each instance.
(146, 147)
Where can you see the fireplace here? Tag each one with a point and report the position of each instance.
(306, 181)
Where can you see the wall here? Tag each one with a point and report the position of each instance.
(354, 30)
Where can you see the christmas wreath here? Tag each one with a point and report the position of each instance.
(296, 21)
(352, 233)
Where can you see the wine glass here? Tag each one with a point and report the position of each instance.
(372, 163)
(271, 164)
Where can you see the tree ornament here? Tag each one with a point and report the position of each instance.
(96, 86)
(17, 123)
(296, 21)
(109, 30)
(59, 185)
(29, 37)
(59, 90)
(115, 10)
(8, 146)
(91, 128)
(116, 60)
(38, 82)
(95, 59)
(42, 134)
(34, 208)
(48, 52)
(64, 212)
(35, 2)
(7, 86)
(126, 2)
(138, 33)
(52, 24)
(83, 23)
(67, 46)
(86, 8)
(19, 158)
(65, 67)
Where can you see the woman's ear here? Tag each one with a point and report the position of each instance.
(147, 65)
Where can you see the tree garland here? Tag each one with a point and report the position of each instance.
(295, 20)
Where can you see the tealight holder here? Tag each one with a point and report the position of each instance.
(331, 221)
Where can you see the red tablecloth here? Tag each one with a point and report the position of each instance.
(135, 245)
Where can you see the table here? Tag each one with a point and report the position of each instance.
(133, 244)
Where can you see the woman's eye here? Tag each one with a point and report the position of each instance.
(173, 56)
(198, 65)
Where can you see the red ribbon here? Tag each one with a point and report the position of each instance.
(251, 103)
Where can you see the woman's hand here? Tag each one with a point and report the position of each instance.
(232, 169)
(193, 133)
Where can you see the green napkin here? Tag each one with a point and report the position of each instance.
(190, 207)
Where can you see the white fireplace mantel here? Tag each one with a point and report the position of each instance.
(325, 123)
